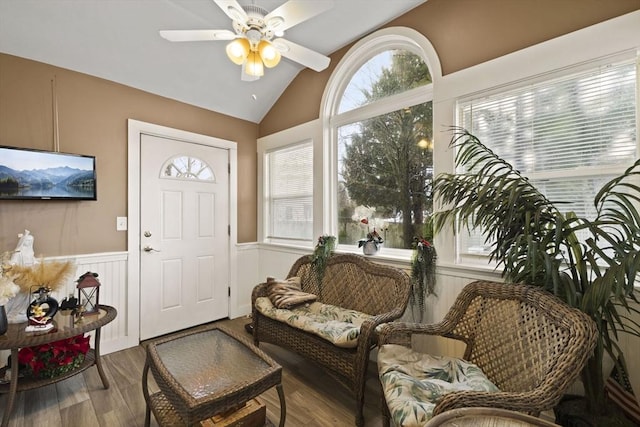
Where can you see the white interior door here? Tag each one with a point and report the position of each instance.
(184, 237)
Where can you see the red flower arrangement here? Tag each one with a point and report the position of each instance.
(53, 359)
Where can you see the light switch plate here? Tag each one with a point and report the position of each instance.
(121, 223)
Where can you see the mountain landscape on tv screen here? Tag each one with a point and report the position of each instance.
(44, 183)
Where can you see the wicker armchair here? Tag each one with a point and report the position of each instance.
(351, 282)
(527, 342)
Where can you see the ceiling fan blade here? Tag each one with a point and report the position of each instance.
(197, 35)
(301, 54)
(233, 10)
(294, 12)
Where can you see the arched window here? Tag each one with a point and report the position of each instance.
(187, 168)
(379, 115)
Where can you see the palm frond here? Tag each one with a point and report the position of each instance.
(535, 243)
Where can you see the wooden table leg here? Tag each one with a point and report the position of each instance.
(103, 377)
(13, 388)
(283, 406)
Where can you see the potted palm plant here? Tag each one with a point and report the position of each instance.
(591, 264)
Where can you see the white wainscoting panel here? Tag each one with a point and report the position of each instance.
(112, 274)
(276, 261)
(248, 276)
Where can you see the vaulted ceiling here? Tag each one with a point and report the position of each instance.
(118, 40)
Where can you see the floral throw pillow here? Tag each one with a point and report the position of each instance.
(287, 293)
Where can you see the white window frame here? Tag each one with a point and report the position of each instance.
(602, 40)
(269, 198)
(367, 48)
(306, 132)
(570, 53)
(469, 258)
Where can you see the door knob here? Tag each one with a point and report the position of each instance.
(147, 234)
(149, 249)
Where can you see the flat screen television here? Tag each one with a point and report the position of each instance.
(46, 175)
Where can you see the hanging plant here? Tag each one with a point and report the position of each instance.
(323, 250)
(423, 275)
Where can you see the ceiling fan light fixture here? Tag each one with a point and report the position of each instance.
(269, 54)
(251, 43)
(254, 66)
(238, 50)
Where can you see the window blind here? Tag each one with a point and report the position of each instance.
(290, 192)
(568, 135)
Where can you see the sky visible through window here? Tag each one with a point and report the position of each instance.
(380, 164)
(363, 80)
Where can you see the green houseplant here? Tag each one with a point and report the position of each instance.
(325, 246)
(535, 243)
(423, 276)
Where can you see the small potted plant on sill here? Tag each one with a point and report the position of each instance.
(371, 244)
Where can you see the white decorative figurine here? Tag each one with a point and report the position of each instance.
(23, 255)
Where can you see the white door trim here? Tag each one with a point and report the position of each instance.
(135, 129)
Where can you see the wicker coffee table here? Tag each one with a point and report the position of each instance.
(202, 373)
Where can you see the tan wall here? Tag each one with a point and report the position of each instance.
(464, 33)
(93, 112)
(92, 120)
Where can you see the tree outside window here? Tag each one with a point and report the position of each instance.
(385, 161)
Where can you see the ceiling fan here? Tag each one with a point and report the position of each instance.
(252, 42)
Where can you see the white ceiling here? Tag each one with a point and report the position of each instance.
(118, 40)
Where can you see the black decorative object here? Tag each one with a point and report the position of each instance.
(4, 323)
(69, 303)
(41, 310)
(51, 176)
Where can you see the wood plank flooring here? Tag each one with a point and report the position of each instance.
(313, 398)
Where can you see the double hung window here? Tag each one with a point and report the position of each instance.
(289, 192)
(568, 135)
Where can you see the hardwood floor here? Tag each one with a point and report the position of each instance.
(313, 398)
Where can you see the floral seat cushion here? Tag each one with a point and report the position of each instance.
(337, 325)
(413, 382)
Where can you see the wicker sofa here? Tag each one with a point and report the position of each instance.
(377, 293)
(528, 345)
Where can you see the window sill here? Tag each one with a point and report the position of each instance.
(400, 258)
